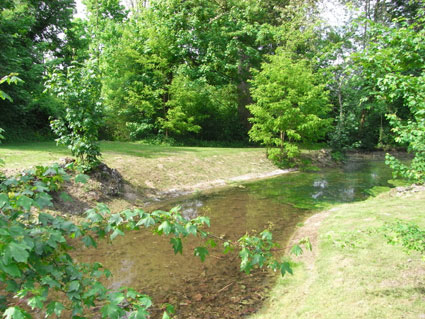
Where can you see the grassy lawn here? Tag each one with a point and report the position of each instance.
(24, 155)
(151, 166)
(355, 273)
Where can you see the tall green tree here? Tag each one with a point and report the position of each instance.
(360, 116)
(216, 43)
(78, 124)
(394, 64)
(291, 104)
(30, 31)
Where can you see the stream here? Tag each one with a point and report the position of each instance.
(216, 288)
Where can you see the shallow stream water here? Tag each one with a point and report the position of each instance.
(216, 288)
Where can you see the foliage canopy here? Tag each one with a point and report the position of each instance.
(290, 106)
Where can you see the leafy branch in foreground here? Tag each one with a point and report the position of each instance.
(257, 252)
(36, 267)
(11, 78)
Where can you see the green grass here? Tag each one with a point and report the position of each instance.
(356, 274)
(151, 166)
(23, 155)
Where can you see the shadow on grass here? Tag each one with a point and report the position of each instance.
(49, 147)
(399, 292)
(141, 150)
(123, 148)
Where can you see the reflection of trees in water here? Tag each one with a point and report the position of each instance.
(349, 193)
(321, 183)
(189, 209)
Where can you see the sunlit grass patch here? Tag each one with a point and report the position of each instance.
(151, 166)
(356, 273)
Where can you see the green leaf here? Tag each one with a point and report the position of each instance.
(12, 270)
(81, 178)
(191, 229)
(177, 245)
(116, 298)
(36, 302)
(25, 202)
(116, 233)
(12, 286)
(131, 293)
(4, 232)
(45, 219)
(228, 247)
(175, 209)
(74, 286)
(115, 219)
(285, 268)
(308, 245)
(89, 241)
(94, 216)
(43, 200)
(17, 251)
(145, 301)
(112, 311)
(5, 96)
(201, 252)
(169, 309)
(129, 214)
(204, 220)
(266, 235)
(41, 187)
(4, 200)
(15, 313)
(55, 308)
(296, 250)
(52, 283)
(147, 222)
(140, 314)
(165, 227)
(211, 242)
(55, 237)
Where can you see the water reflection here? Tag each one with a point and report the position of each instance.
(190, 208)
(321, 183)
(317, 195)
(320, 189)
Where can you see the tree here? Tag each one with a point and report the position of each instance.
(360, 115)
(290, 106)
(213, 43)
(77, 88)
(29, 32)
(11, 78)
(394, 63)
